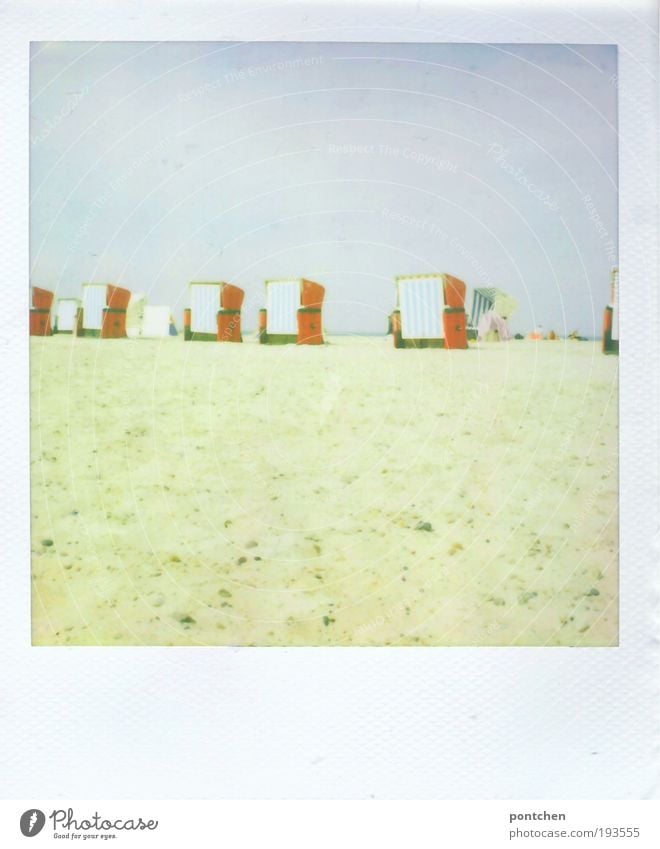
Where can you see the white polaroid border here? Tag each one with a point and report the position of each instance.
(449, 723)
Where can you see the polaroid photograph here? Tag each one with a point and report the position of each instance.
(331, 356)
(404, 427)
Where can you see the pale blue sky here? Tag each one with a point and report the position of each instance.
(154, 164)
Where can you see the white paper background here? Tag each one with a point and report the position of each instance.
(426, 723)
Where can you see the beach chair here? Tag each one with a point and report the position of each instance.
(42, 304)
(454, 322)
(430, 312)
(214, 314)
(454, 316)
(103, 311)
(395, 328)
(146, 321)
(135, 314)
(155, 322)
(454, 291)
(293, 312)
(66, 313)
(611, 317)
(483, 300)
(419, 313)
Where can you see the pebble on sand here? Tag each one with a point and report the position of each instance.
(523, 598)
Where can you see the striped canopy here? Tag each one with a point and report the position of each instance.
(489, 298)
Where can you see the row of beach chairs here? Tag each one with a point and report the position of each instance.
(430, 312)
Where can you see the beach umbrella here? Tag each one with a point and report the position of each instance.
(504, 305)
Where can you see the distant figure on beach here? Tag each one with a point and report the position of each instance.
(492, 323)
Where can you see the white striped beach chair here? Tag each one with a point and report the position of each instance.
(421, 304)
(66, 315)
(214, 314)
(293, 312)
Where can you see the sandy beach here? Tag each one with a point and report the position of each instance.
(346, 494)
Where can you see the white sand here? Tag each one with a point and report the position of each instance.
(199, 493)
